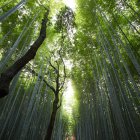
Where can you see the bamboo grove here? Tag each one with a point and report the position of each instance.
(101, 40)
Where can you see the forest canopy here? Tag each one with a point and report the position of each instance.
(70, 69)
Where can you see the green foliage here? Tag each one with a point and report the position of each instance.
(65, 19)
(102, 39)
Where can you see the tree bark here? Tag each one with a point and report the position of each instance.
(52, 119)
(56, 92)
(8, 75)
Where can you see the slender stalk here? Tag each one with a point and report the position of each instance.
(11, 11)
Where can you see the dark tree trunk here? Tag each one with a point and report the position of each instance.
(7, 76)
(52, 119)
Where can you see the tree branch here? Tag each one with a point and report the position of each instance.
(53, 66)
(36, 74)
(60, 101)
(7, 76)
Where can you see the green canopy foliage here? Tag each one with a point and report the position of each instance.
(102, 41)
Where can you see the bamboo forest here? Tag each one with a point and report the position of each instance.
(69, 69)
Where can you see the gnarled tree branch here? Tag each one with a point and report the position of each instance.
(40, 77)
(7, 76)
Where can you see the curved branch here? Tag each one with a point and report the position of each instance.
(7, 76)
(53, 66)
(40, 77)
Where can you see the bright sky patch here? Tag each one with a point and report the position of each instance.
(70, 3)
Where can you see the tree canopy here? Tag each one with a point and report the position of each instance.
(93, 48)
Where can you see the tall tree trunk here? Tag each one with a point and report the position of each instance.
(7, 76)
(52, 119)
